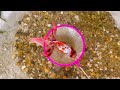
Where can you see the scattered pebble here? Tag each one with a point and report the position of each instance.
(91, 70)
(64, 77)
(89, 65)
(96, 65)
(49, 25)
(23, 67)
(110, 52)
(67, 68)
(28, 19)
(77, 77)
(107, 31)
(34, 24)
(118, 43)
(105, 68)
(112, 70)
(101, 69)
(61, 12)
(46, 70)
(52, 75)
(77, 17)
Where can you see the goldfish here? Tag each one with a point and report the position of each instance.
(64, 48)
(51, 43)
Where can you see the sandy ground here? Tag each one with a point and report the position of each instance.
(8, 67)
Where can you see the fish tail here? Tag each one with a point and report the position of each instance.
(38, 41)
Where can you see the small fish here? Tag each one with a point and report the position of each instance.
(64, 48)
(51, 42)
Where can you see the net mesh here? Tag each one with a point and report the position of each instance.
(73, 39)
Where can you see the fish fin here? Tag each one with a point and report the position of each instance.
(38, 41)
(54, 29)
(49, 48)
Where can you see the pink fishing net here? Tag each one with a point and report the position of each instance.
(73, 38)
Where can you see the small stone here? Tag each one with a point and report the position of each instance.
(116, 57)
(25, 70)
(46, 70)
(23, 67)
(110, 39)
(105, 68)
(52, 75)
(91, 70)
(49, 25)
(77, 17)
(34, 24)
(28, 19)
(13, 56)
(39, 32)
(100, 57)
(64, 77)
(83, 77)
(112, 70)
(98, 12)
(67, 68)
(61, 12)
(91, 60)
(35, 16)
(117, 77)
(98, 45)
(31, 77)
(116, 35)
(107, 77)
(5, 49)
(96, 65)
(112, 36)
(110, 52)
(25, 24)
(118, 43)
(107, 31)
(77, 77)
(24, 56)
(101, 69)
(111, 56)
(89, 65)
(100, 63)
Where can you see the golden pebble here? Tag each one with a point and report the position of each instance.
(52, 75)
(118, 43)
(46, 70)
(23, 67)
(67, 68)
(64, 77)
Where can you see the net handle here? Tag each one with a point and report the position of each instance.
(78, 64)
